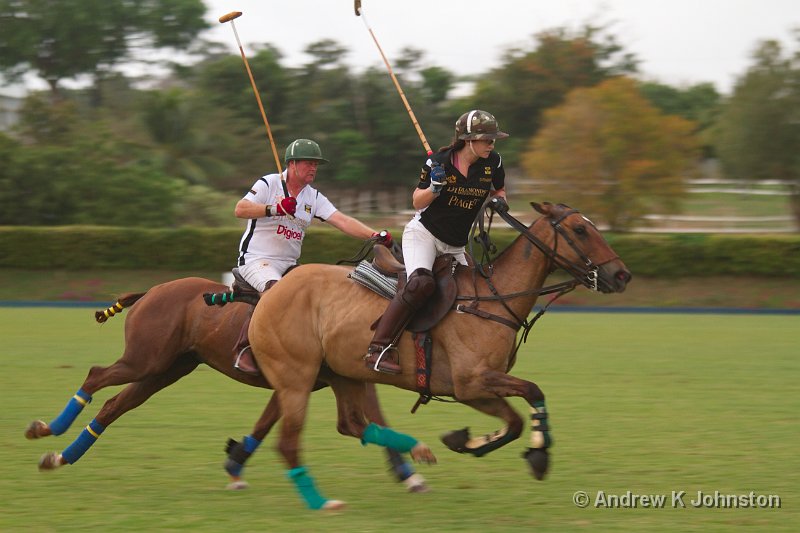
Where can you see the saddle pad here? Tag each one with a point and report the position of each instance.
(367, 275)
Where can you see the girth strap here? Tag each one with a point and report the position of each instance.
(424, 357)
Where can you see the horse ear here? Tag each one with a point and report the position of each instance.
(542, 208)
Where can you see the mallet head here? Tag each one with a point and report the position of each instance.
(230, 16)
(357, 7)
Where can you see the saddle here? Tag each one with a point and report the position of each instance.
(440, 302)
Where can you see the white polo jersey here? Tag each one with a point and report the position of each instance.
(280, 238)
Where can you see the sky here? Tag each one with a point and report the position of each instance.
(679, 42)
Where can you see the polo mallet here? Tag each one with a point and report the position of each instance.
(360, 13)
(229, 18)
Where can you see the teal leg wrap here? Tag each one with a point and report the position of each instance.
(306, 487)
(388, 438)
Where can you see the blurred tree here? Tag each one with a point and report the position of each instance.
(758, 133)
(436, 84)
(80, 173)
(68, 38)
(47, 122)
(187, 147)
(398, 153)
(699, 103)
(225, 83)
(607, 151)
(231, 108)
(530, 81)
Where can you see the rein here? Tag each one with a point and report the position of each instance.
(366, 248)
(585, 274)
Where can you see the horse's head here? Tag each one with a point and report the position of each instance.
(581, 250)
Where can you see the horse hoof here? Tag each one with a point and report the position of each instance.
(36, 430)
(422, 454)
(416, 483)
(333, 505)
(456, 440)
(539, 460)
(239, 484)
(50, 461)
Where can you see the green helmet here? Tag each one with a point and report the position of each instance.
(302, 150)
(477, 125)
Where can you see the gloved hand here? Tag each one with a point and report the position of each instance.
(384, 237)
(437, 177)
(287, 206)
(498, 203)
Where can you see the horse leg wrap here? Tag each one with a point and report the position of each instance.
(305, 485)
(388, 438)
(74, 407)
(489, 443)
(239, 453)
(402, 470)
(540, 430)
(84, 441)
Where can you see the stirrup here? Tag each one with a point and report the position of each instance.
(255, 371)
(376, 367)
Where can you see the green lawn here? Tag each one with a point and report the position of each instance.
(639, 402)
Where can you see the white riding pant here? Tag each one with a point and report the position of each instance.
(261, 271)
(421, 248)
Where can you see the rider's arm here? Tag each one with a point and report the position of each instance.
(422, 198)
(249, 210)
(350, 226)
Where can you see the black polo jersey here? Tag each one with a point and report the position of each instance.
(450, 215)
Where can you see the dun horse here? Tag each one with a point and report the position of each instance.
(168, 333)
(473, 347)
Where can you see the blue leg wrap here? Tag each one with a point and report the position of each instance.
(402, 470)
(84, 441)
(306, 487)
(251, 443)
(405, 471)
(74, 407)
(235, 463)
(388, 438)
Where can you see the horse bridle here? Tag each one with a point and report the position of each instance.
(585, 274)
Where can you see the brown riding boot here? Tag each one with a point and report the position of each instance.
(244, 361)
(380, 354)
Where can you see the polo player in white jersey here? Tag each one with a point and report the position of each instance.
(279, 209)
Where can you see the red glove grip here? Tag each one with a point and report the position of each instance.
(287, 206)
(385, 238)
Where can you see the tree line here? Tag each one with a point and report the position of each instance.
(181, 150)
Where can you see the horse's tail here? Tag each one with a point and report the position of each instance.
(126, 300)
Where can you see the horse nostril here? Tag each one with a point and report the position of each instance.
(623, 275)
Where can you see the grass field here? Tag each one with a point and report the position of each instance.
(644, 403)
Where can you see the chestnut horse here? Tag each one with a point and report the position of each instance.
(168, 332)
(317, 317)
